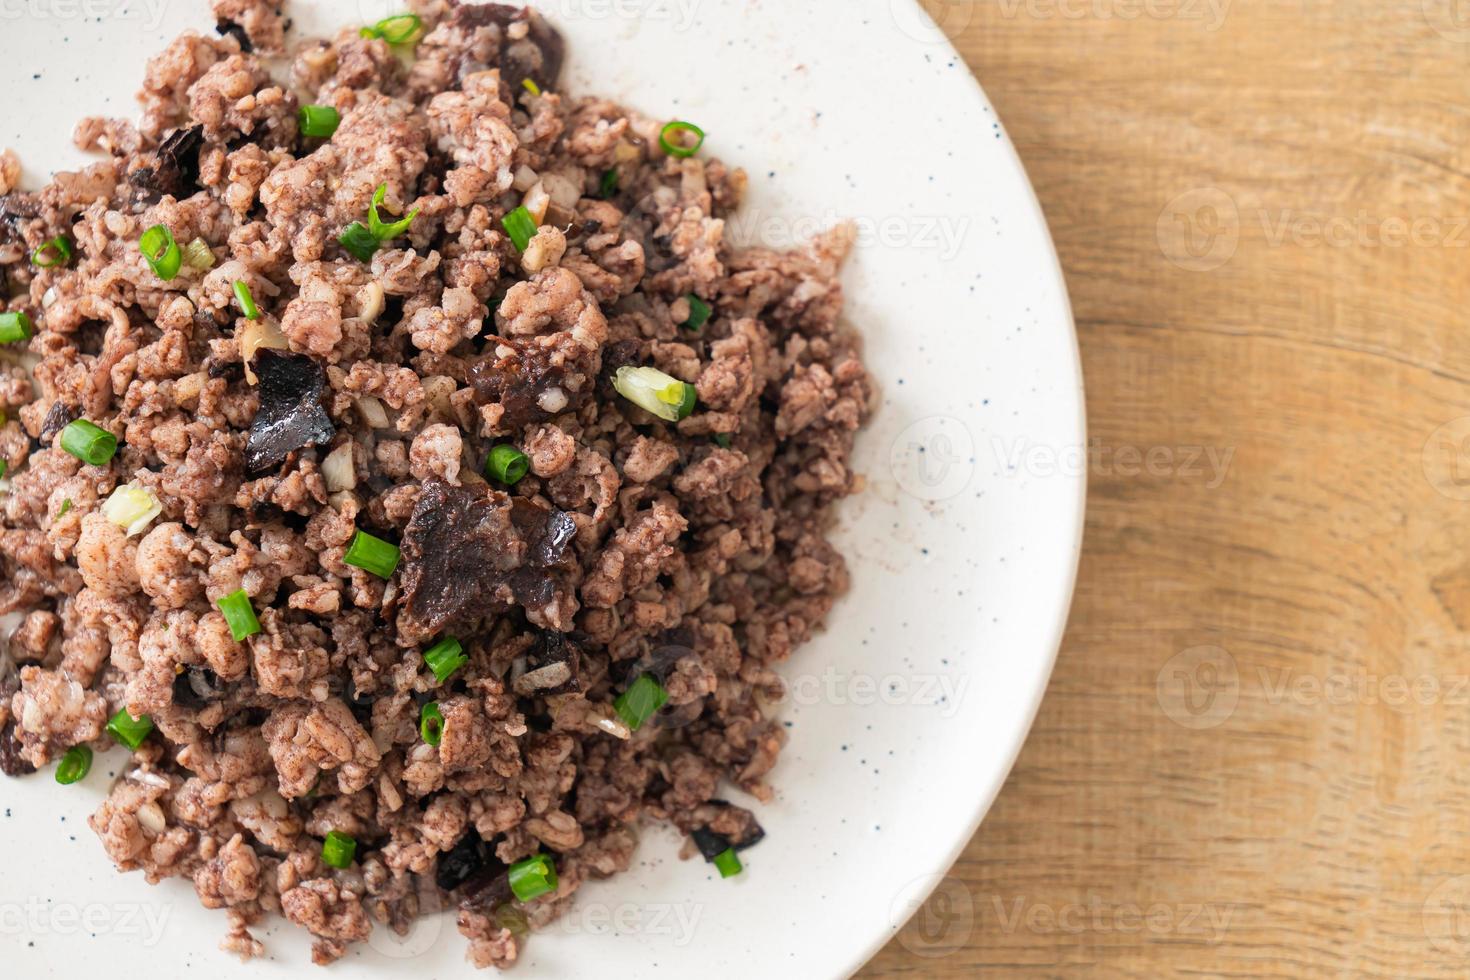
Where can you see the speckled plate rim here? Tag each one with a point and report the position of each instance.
(987, 792)
(963, 807)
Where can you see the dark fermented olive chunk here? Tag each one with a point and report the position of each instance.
(291, 416)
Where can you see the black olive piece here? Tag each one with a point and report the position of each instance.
(470, 859)
(175, 167)
(197, 687)
(711, 845)
(456, 564)
(291, 416)
(11, 762)
(228, 28)
(58, 417)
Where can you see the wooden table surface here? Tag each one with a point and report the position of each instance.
(1254, 756)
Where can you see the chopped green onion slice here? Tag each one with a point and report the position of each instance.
(530, 86)
(691, 397)
(247, 301)
(445, 657)
(507, 464)
(638, 703)
(728, 862)
(53, 253)
(722, 439)
(359, 241)
(398, 29)
(431, 723)
(197, 255)
(656, 392)
(532, 877)
(372, 554)
(699, 313)
(386, 232)
(65, 506)
(4, 465)
(128, 730)
(239, 614)
(74, 765)
(520, 226)
(88, 442)
(14, 326)
(131, 508)
(675, 130)
(338, 849)
(609, 185)
(161, 251)
(319, 121)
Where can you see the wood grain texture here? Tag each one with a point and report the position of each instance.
(1254, 756)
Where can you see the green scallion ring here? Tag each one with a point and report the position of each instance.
(372, 554)
(128, 730)
(247, 301)
(74, 766)
(318, 121)
(608, 186)
(507, 464)
(398, 29)
(161, 252)
(699, 313)
(15, 326)
(445, 657)
(675, 129)
(88, 442)
(239, 614)
(532, 877)
(691, 398)
(639, 702)
(4, 466)
(723, 440)
(431, 723)
(728, 863)
(529, 84)
(520, 226)
(50, 254)
(360, 242)
(377, 228)
(338, 849)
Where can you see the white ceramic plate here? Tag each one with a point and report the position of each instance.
(906, 715)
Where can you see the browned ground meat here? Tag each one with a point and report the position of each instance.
(367, 397)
